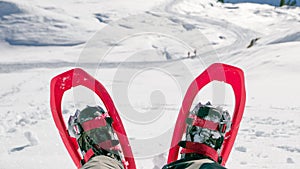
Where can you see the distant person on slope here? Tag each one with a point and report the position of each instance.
(205, 133)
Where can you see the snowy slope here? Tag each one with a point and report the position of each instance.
(270, 2)
(40, 39)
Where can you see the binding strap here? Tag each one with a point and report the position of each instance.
(88, 155)
(94, 123)
(199, 148)
(197, 121)
(200, 122)
(103, 147)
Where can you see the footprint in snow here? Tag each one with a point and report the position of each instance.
(241, 149)
(33, 141)
(290, 160)
(32, 138)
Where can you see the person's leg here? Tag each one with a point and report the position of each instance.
(102, 162)
(187, 164)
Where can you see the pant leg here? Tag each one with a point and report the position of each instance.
(102, 162)
(188, 164)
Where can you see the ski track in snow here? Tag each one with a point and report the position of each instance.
(242, 35)
(17, 67)
(268, 136)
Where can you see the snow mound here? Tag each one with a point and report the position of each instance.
(269, 2)
(279, 38)
(290, 37)
(34, 26)
(290, 160)
(8, 8)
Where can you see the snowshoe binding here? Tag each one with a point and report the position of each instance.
(94, 134)
(206, 129)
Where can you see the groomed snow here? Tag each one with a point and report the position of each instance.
(40, 39)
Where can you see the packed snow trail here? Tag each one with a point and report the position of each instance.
(241, 35)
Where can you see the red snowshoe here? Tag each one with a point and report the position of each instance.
(76, 77)
(216, 72)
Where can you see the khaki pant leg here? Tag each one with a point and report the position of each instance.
(102, 162)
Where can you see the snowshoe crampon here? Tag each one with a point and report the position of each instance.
(216, 72)
(77, 77)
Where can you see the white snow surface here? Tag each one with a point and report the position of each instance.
(40, 39)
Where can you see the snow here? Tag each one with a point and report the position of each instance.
(147, 73)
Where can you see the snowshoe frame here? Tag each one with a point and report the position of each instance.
(78, 77)
(215, 72)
